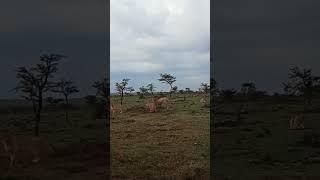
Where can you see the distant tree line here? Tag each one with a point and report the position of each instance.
(301, 82)
(122, 88)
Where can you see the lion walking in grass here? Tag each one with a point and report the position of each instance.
(24, 148)
(156, 103)
(296, 122)
(116, 109)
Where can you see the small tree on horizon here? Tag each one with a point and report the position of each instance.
(228, 94)
(169, 79)
(205, 88)
(102, 94)
(143, 91)
(174, 89)
(302, 82)
(151, 88)
(122, 87)
(66, 88)
(130, 89)
(248, 89)
(214, 90)
(102, 88)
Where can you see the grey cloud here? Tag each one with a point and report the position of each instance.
(259, 40)
(154, 37)
(53, 16)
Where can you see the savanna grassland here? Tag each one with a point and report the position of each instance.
(256, 142)
(172, 142)
(80, 149)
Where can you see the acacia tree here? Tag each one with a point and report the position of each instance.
(169, 79)
(102, 92)
(228, 94)
(205, 87)
(248, 90)
(143, 91)
(122, 88)
(302, 82)
(214, 90)
(66, 88)
(102, 88)
(130, 89)
(174, 89)
(35, 81)
(151, 88)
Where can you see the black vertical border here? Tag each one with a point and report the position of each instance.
(211, 77)
(108, 154)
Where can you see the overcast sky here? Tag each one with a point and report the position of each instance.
(257, 40)
(149, 37)
(75, 28)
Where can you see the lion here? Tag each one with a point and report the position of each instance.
(296, 121)
(162, 102)
(151, 107)
(115, 109)
(24, 147)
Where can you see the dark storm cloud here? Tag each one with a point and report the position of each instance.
(86, 60)
(257, 40)
(77, 29)
(53, 16)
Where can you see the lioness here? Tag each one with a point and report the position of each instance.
(162, 102)
(151, 107)
(296, 121)
(24, 148)
(203, 100)
(115, 109)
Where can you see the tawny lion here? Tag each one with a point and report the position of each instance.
(203, 100)
(115, 109)
(151, 107)
(296, 121)
(162, 102)
(12, 146)
(157, 102)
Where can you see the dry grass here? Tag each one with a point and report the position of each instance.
(167, 143)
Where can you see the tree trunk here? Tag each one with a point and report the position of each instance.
(37, 124)
(121, 98)
(38, 116)
(34, 106)
(67, 111)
